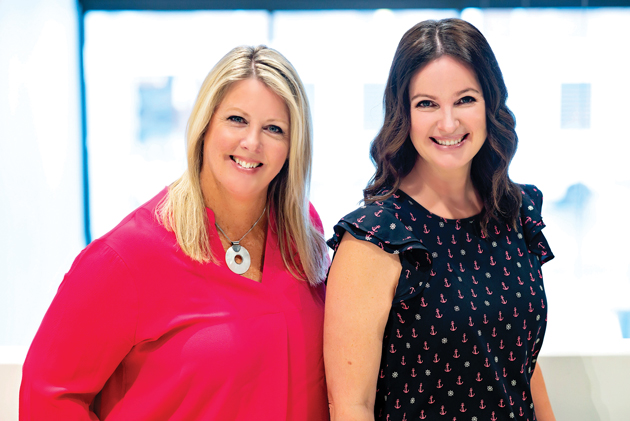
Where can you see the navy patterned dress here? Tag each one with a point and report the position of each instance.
(469, 313)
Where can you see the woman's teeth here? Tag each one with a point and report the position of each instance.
(245, 164)
(449, 142)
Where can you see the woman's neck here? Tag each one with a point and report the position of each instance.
(450, 195)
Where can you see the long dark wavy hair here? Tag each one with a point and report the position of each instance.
(392, 151)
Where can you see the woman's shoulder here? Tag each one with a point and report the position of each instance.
(378, 222)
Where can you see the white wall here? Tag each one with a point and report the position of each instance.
(41, 216)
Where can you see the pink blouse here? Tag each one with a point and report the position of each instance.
(139, 331)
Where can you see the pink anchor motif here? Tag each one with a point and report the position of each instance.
(422, 416)
(413, 333)
(412, 290)
(496, 375)
(420, 389)
(508, 241)
(494, 332)
(453, 328)
(532, 290)
(479, 250)
(522, 371)
(406, 388)
(426, 230)
(483, 235)
(396, 206)
(518, 341)
(397, 406)
(501, 404)
(519, 281)
(531, 278)
(382, 376)
(439, 241)
(404, 418)
(396, 196)
(461, 407)
(501, 346)
(400, 319)
(496, 230)
(426, 346)
(413, 372)
(542, 304)
(474, 351)
(398, 334)
(456, 354)
(488, 346)
(361, 219)
(479, 378)
(464, 339)
(474, 280)
(439, 384)
(515, 312)
(446, 284)
(471, 394)
(511, 357)
(397, 217)
(524, 396)
(488, 291)
(374, 229)
(539, 274)
(442, 299)
(378, 214)
(378, 203)
(436, 359)
(493, 417)
(508, 227)
(505, 271)
(525, 324)
(420, 358)
(413, 218)
(356, 225)
(391, 349)
(431, 400)
(458, 226)
(408, 272)
(504, 372)
(492, 262)
(473, 293)
(473, 306)
(432, 273)
(453, 241)
(485, 319)
(459, 381)
(487, 363)
(476, 266)
(403, 361)
(520, 412)
(468, 239)
(507, 256)
(403, 305)
(529, 336)
(442, 411)
(511, 401)
(381, 245)
(520, 253)
(422, 303)
(450, 254)
(448, 267)
(459, 294)
(503, 300)
(461, 268)
(448, 368)
(482, 406)
(433, 331)
(505, 287)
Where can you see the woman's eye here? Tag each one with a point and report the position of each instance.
(275, 129)
(236, 119)
(424, 104)
(467, 100)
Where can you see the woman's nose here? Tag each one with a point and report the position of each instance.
(448, 120)
(252, 139)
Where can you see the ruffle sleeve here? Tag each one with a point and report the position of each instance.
(533, 224)
(378, 225)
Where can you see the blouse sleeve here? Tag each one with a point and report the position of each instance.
(85, 334)
(533, 224)
(379, 226)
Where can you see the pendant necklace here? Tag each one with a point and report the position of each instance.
(237, 250)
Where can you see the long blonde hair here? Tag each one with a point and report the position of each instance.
(183, 210)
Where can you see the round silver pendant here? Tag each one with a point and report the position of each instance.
(230, 259)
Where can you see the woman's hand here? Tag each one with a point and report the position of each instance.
(361, 286)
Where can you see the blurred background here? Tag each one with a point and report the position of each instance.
(95, 95)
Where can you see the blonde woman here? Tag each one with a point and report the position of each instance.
(207, 301)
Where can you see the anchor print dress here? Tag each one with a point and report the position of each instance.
(469, 313)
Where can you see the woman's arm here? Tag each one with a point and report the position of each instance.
(361, 286)
(542, 405)
(85, 334)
